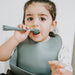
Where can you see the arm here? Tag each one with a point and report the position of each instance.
(7, 48)
(63, 65)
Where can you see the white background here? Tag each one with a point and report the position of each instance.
(11, 13)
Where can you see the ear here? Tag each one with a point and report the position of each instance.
(53, 26)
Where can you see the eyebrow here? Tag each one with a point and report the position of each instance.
(43, 15)
(38, 15)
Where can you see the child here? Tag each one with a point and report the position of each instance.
(34, 52)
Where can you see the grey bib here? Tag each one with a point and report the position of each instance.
(31, 58)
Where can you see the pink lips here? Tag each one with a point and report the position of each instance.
(36, 35)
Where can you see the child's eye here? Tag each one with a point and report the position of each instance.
(30, 19)
(42, 19)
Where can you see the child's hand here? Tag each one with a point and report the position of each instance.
(21, 35)
(57, 68)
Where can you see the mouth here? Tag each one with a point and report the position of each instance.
(36, 35)
(36, 31)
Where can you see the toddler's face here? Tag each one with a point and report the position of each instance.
(38, 17)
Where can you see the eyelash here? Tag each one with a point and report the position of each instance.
(43, 19)
(30, 19)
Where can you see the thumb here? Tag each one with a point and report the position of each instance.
(51, 65)
(27, 32)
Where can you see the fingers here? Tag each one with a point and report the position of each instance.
(21, 35)
(56, 64)
(59, 71)
(27, 32)
(56, 67)
(19, 26)
(23, 26)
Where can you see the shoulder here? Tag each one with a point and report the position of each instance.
(57, 39)
(57, 36)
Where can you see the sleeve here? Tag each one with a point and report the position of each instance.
(65, 57)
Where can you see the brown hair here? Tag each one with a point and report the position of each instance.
(50, 7)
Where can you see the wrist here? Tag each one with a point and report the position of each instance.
(15, 40)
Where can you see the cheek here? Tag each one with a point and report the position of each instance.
(44, 30)
(28, 24)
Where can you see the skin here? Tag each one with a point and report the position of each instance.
(39, 19)
(58, 68)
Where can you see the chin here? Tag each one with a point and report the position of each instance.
(37, 39)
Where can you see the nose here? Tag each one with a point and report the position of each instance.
(35, 23)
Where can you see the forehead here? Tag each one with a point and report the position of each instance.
(36, 8)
